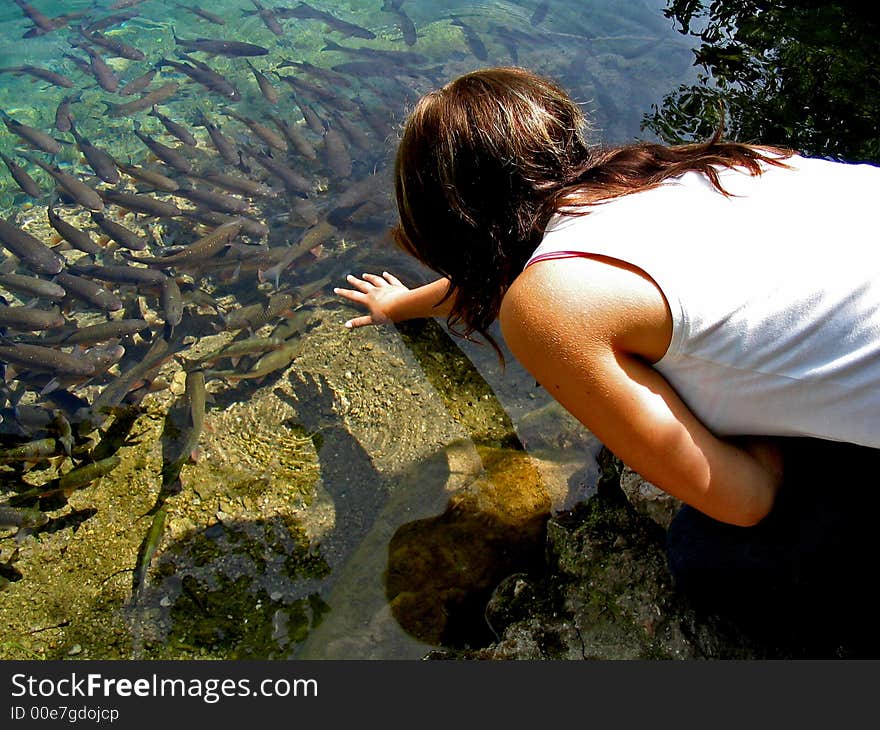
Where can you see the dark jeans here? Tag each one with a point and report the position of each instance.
(802, 581)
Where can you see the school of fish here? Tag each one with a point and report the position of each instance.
(251, 193)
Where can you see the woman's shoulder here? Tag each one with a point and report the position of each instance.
(597, 299)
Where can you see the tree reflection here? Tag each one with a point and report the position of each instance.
(800, 73)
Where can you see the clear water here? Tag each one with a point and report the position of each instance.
(319, 519)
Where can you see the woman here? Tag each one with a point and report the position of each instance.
(688, 304)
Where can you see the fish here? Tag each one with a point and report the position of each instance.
(311, 238)
(171, 301)
(82, 193)
(90, 292)
(539, 13)
(77, 238)
(508, 38)
(31, 251)
(33, 286)
(266, 365)
(254, 316)
(269, 92)
(319, 72)
(294, 324)
(121, 4)
(138, 83)
(206, 76)
(372, 67)
(110, 20)
(270, 137)
(269, 18)
(41, 73)
(101, 332)
(31, 135)
(125, 237)
(313, 121)
(168, 155)
(80, 63)
(114, 45)
(152, 178)
(314, 91)
(147, 101)
(215, 201)
(44, 24)
(219, 47)
(235, 184)
(404, 22)
(400, 57)
(114, 392)
(354, 132)
(31, 451)
(304, 210)
(174, 128)
(296, 138)
(362, 190)
(305, 11)
(139, 203)
(379, 123)
(202, 13)
(87, 473)
(237, 349)
(202, 248)
(100, 161)
(29, 319)
(249, 226)
(63, 114)
(45, 359)
(23, 517)
(40, 20)
(473, 40)
(338, 157)
(223, 144)
(120, 274)
(104, 75)
(292, 180)
(55, 388)
(147, 550)
(24, 181)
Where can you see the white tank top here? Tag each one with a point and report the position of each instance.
(774, 293)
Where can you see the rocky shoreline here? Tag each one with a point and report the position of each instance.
(606, 590)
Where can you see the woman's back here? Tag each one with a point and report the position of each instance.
(774, 292)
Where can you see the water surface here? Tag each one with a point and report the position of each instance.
(362, 498)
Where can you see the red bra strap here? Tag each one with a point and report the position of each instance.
(550, 255)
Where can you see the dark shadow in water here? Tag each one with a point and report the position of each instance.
(443, 570)
(347, 473)
(801, 582)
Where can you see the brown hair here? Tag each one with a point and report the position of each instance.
(487, 159)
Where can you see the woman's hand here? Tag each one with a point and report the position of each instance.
(377, 294)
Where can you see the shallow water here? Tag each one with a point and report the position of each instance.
(359, 500)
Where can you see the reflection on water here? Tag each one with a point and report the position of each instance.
(204, 177)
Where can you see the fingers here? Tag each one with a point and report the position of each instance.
(391, 279)
(355, 296)
(359, 322)
(375, 279)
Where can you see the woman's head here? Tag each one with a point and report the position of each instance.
(477, 159)
(486, 160)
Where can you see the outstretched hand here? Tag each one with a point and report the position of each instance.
(377, 294)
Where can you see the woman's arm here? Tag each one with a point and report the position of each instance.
(387, 299)
(588, 331)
